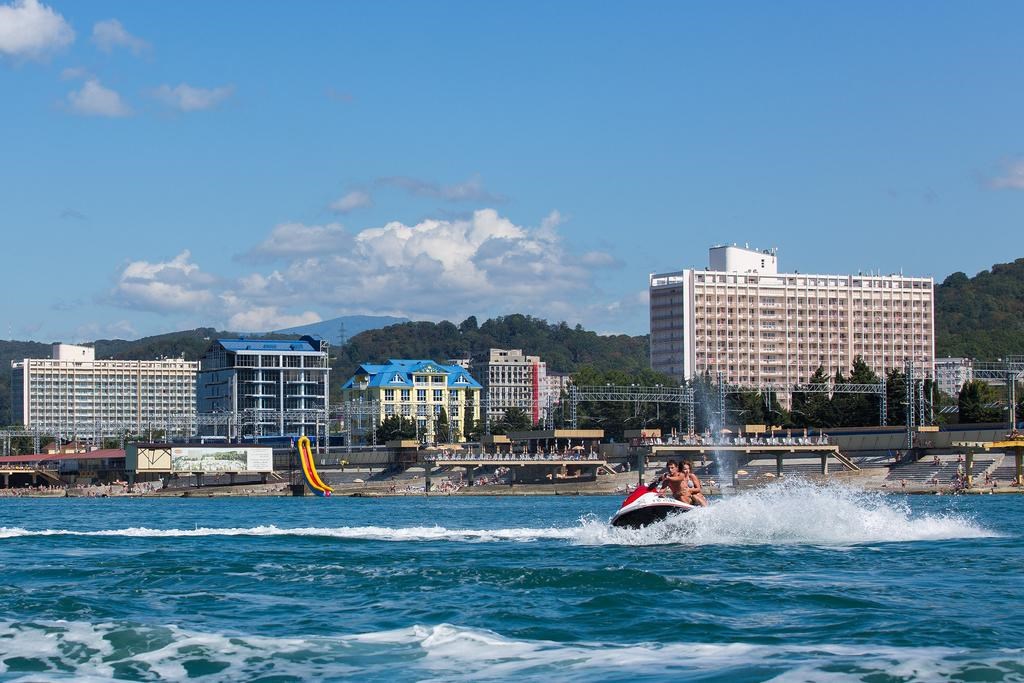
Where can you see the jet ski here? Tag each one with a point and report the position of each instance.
(644, 506)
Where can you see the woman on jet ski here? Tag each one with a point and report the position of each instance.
(693, 485)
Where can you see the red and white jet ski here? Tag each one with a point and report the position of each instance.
(644, 506)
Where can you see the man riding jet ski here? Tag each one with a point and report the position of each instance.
(646, 506)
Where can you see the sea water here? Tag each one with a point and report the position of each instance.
(792, 582)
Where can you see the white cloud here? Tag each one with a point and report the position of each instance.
(483, 265)
(288, 241)
(433, 269)
(267, 318)
(468, 191)
(109, 33)
(95, 100)
(1012, 179)
(32, 30)
(356, 199)
(184, 97)
(175, 285)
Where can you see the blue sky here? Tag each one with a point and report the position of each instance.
(251, 166)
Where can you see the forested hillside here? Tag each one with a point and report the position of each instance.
(11, 351)
(981, 317)
(563, 348)
(189, 344)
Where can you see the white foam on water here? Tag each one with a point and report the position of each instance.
(376, 533)
(795, 511)
(84, 651)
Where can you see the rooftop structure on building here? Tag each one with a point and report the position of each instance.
(744, 318)
(73, 395)
(420, 390)
(269, 387)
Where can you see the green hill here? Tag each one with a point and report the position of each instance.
(13, 351)
(563, 348)
(981, 317)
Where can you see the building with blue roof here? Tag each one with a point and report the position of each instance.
(270, 387)
(419, 390)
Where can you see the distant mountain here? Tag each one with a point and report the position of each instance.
(981, 317)
(348, 325)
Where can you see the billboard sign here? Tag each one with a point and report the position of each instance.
(226, 458)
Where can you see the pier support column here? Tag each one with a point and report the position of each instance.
(7, 481)
(426, 477)
(1019, 453)
(231, 478)
(824, 463)
(641, 460)
(969, 465)
(778, 465)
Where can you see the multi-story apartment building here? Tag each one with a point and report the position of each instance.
(951, 374)
(740, 316)
(419, 390)
(74, 395)
(265, 387)
(511, 379)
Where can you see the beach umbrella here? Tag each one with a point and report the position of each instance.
(357, 481)
(741, 472)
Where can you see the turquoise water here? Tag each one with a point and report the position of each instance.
(787, 583)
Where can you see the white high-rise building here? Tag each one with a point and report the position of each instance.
(742, 317)
(74, 395)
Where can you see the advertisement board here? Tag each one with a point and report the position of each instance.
(226, 458)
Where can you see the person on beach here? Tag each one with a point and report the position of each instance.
(675, 482)
(693, 484)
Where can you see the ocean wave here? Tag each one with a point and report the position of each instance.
(61, 650)
(791, 512)
(376, 533)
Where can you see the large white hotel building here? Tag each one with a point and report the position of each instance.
(73, 394)
(742, 317)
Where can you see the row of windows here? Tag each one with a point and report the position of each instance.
(421, 394)
(421, 411)
(805, 281)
